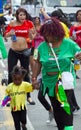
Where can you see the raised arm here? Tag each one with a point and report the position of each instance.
(46, 16)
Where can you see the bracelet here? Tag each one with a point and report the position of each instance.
(34, 78)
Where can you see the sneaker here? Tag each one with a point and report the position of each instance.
(8, 104)
(76, 110)
(30, 101)
(51, 116)
(77, 77)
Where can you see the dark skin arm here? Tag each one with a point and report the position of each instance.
(35, 72)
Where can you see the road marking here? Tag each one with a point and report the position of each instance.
(29, 124)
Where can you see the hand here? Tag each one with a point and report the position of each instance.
(32, 33)
(42, 10)
(35, 84)
(78, 56)
(12, 32)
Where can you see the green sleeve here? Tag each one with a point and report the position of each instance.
(3, 48)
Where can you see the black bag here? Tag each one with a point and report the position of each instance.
(27, 52)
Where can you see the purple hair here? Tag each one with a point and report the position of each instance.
(52, 27)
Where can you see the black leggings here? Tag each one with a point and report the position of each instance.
(43, 101)
(19, 117)
(61, 117)
(74, 101)
(13, 58)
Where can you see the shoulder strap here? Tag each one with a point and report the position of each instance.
(50, 44)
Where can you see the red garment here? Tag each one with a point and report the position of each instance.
(31, 44)
(21, 30)
(77, 30)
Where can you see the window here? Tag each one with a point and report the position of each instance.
(74, 3)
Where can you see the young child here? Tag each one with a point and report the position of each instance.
(17, 91)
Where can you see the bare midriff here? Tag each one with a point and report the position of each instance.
(51, 73)
(20, 44)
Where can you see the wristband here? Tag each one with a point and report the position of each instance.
(34, 78)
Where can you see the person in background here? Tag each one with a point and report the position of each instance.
(75, 30)
(38, 38)
(9, 17)
(3, 51)
(17, 91)
(65, 49)
(61, 17)
(3, 26)
(75, 34)
(22, 28)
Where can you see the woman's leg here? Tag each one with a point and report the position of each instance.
(61, 117)
(74, 102)
(43, 101)
(12, 61)
(25, 64)
(46, 105)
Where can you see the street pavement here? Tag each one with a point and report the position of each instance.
(37, 115)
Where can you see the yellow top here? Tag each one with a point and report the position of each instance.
(18, 95)
(66, 29)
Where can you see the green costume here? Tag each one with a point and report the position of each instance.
(65, 52)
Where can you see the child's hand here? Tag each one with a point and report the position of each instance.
(35, 84)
